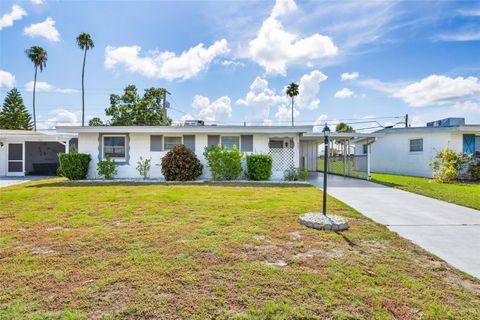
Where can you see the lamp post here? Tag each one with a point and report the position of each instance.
(326, 134)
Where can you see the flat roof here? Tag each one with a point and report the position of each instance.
(185, 129)
(464, 127)
(33, 135)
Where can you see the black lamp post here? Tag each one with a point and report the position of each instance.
(326, 134)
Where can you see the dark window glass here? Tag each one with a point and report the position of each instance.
(15, 151)
(15, 166)
(114, 147)
(156, 143)
(416, 145)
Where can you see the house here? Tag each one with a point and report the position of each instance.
(409, 151)
(288, 146)
(25, 152)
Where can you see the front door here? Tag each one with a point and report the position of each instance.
(15, 159)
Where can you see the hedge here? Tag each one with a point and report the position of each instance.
(259, 167)
(74, 165)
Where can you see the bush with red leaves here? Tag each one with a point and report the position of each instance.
(181, 164)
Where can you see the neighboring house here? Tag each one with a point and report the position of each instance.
(287, 145)
(409, 151)
(30, 153)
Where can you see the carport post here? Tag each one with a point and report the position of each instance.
(67, 146)
(369, 150)
(326, 133)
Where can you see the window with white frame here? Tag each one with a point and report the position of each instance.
(114, 146)
(230, 141)
(365, 148)
(416, 145)
(170, 142)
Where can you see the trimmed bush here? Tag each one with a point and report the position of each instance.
(107, 168)
(295, 174)
(447, 165)
(224, 164)
(73, 165)
(181, 164)
(259, 167)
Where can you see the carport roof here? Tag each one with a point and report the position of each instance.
(33, 135)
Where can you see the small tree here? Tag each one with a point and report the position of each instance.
(292, 91)
(107, 168)
(143, 167)
(14, 115)
(224, 164)
(95, 122)
(447, 165)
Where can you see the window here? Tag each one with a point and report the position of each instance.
(365, 148)
(170, 142)
(230, 141)
(247, 143)
(156, 143)
(280, 143)
(416, 145)
(114, 147)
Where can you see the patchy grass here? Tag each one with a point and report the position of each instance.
(464, 194)
(201, 251)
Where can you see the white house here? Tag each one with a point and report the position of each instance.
(126, 145)
(30, 153)
(408, 151)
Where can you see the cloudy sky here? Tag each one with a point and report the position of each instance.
(229, 61)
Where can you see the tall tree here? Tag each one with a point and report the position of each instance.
(84, 42)
(95, 122)
(130, 109)
(292, 92)
(38, 56)
(14, 115)
(343, 127)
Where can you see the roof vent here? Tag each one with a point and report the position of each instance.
(448, 122)
(194, 123)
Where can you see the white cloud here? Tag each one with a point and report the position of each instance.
(437, 89)
(274, 48)
(344, 93)
(165, 64)
(46, 87)
(470, 12)
(232, 63)
(462, 36)
(261, 98)
(320, 123)
(284, 114)
(309, 88)
(468, 106)
(7, 79)
(59, 116)
(349, 76)
(37, 1)
(207, 110)
(45, 29)
(7, 20)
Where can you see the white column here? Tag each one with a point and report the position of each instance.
(67, 146)
(369, 150)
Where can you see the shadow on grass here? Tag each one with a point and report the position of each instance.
(347, 240)
(388, 184)
(154, 183)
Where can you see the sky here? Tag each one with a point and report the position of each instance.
(367, 63)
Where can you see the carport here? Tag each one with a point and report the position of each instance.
(31, 153)
(342, 159)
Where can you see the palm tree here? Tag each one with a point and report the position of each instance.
(292, 92)
(84, 42)
(38, 56)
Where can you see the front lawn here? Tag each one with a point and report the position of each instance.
(202, 251)
(465, 194)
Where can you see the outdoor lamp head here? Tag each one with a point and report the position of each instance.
(326, 131)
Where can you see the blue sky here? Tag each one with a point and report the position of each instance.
(229, 61)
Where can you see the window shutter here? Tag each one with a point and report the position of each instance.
(156, 143)
(189, 142)
(469, 144)
(213, 141)
(247, 143)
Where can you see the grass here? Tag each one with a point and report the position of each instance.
(337, 167)
(82, 251)
(464, 194)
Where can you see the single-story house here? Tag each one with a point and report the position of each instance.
(288, 146)
(25, 152)
(409, 150)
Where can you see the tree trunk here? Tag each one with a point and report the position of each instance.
(292, 112)
(34, 87)
(83, 87)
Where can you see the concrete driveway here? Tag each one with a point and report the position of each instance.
(11, 181)
(449, 231)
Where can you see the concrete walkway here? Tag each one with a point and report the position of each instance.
(11, 181)
(449, 231)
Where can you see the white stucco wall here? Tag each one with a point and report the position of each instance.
(391, 153)
(139, 146)
(3, 157)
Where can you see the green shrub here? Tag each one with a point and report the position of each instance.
(474, 170)
(143, 167)
(224, 164)
(181, 164)
(447, 165)
(107, 168)
(73, 165)
(295, 174)
(259, 167)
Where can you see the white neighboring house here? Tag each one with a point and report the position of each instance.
(25, 152)
(126, 144)
(409, 151)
